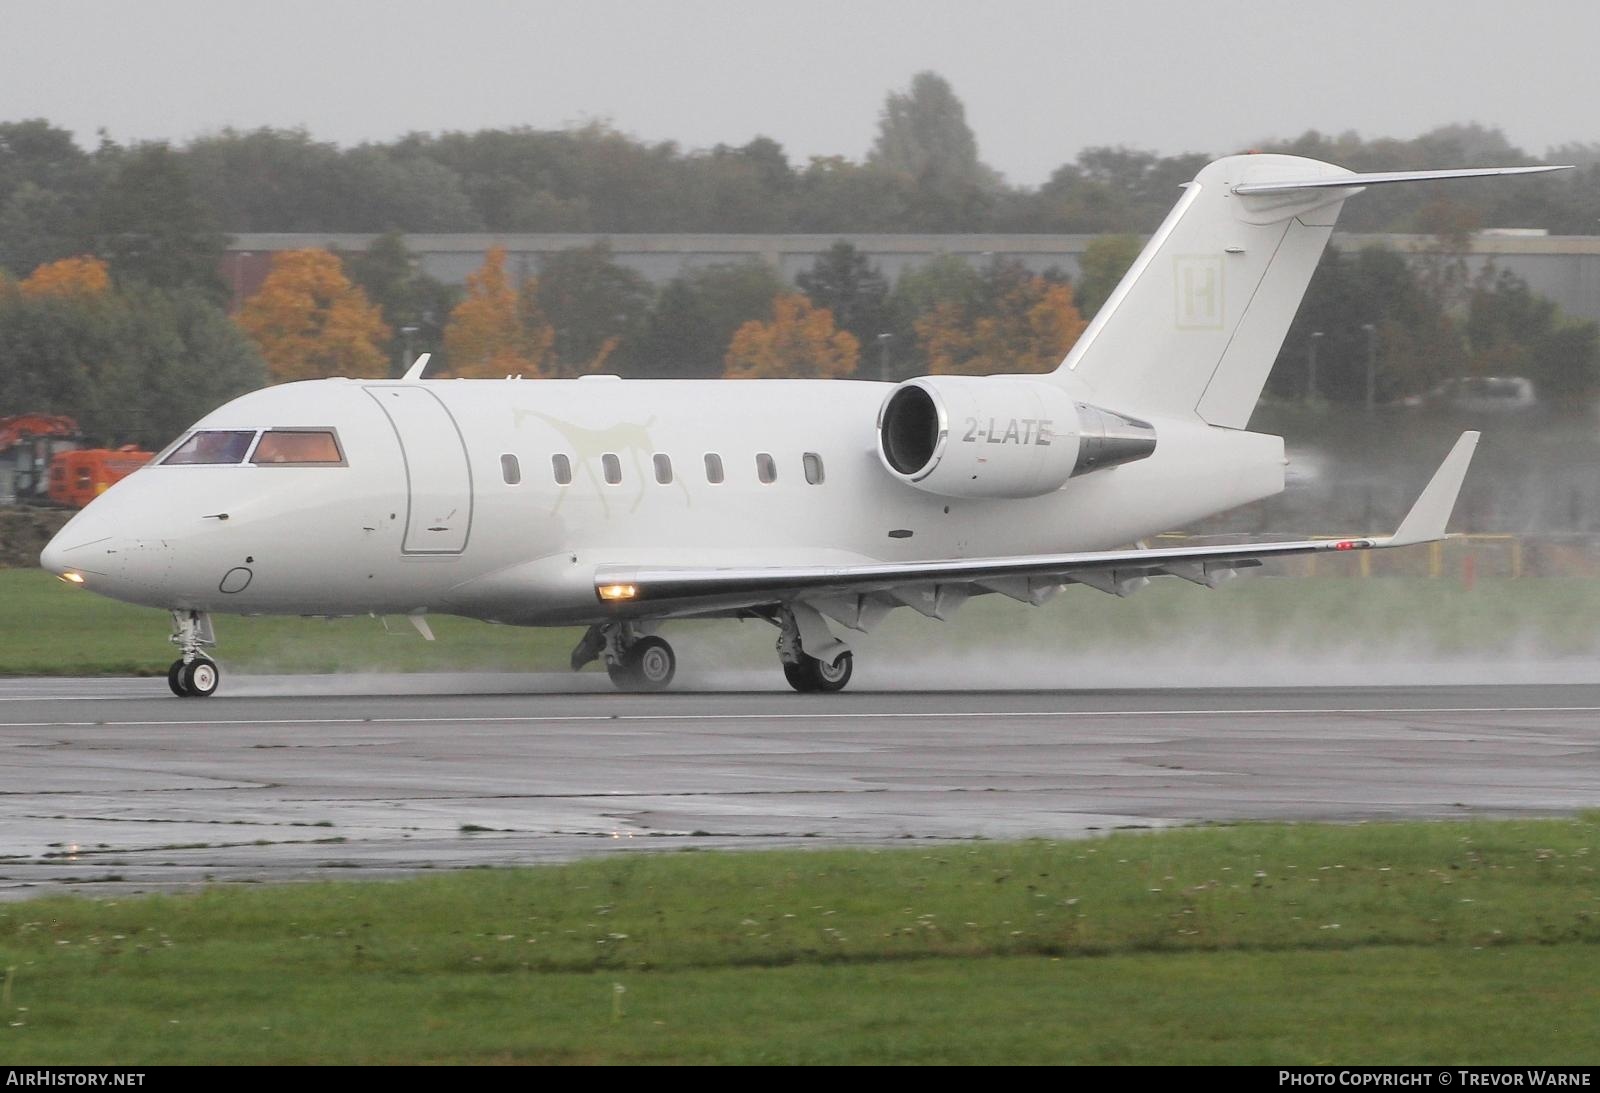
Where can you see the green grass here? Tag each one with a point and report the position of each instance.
(51, 628)
(1441, 943)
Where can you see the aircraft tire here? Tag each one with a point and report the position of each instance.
(200, 678)
(800, 676)
(649, 665)
(811, 676)
(175, 679)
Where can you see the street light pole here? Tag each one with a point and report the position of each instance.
(883, 356)
(1311, 367)
(239, 259)
(1372, 364)
(406, 332)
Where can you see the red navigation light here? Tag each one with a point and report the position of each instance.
(1345, 544)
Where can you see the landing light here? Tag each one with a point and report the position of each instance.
(71, 577)
(618, 591)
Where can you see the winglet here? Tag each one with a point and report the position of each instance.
(1427, 518)
(415, 371)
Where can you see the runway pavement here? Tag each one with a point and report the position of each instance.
(108, 786)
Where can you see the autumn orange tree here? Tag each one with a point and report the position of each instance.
(1024, 323)
(497, 329)
(799, 342)
(310, 321)
(82, 277)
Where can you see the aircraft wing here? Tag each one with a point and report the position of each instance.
(935, 586)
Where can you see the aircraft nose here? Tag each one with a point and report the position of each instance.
(80, 545)
(52, 558)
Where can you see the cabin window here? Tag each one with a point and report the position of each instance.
(663, 469)
(713, 468)
(562, 466)
(510, 469)
(612, 467)
(212, 446)
(813, 465)
(766, 468)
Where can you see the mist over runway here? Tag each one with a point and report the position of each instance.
(112, 785)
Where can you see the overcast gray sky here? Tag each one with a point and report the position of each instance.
(1041, 79)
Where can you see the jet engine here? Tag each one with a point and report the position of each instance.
(1000, 436)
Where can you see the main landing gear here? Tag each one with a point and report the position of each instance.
(193, 675)
(813, 676)
(802, 631)
(635, 660)
(813, 660)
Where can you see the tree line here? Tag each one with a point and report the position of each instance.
(112, 305)
(922, 174)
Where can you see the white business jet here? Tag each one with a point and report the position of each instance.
(814, 505)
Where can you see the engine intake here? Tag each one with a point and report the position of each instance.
(1000, 436)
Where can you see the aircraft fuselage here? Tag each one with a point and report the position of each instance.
(498, 499)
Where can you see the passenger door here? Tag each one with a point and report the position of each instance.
(438, 477)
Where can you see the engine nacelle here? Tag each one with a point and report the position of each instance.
(1000, 436)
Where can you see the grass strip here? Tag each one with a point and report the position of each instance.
(1421, 942)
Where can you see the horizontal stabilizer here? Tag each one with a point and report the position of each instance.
(1342, 182)
(1427, 518)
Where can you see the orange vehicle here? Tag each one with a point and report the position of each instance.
(76, 478)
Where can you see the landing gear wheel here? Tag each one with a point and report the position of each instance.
(812, 675)
(200, 677)
(648, 665)
(175, 679)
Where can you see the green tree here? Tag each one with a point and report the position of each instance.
(1114, 190)
(134, 364)
(923, 136)
(390, 276)
(947, 279)
(1105, 260)
(695, 316)
(1513, 332)
(46, 186)
(844, 282)
(834, 195)
(34, 229)
(597, 308)
(1414, 343)
(283, 180)
(150, 225)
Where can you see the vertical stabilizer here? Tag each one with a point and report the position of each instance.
(1194, 327)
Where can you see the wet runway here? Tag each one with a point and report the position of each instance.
(113, 785)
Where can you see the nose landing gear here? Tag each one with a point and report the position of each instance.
(193, 675)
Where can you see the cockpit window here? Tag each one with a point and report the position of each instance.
(297, 446)
(213, 446)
